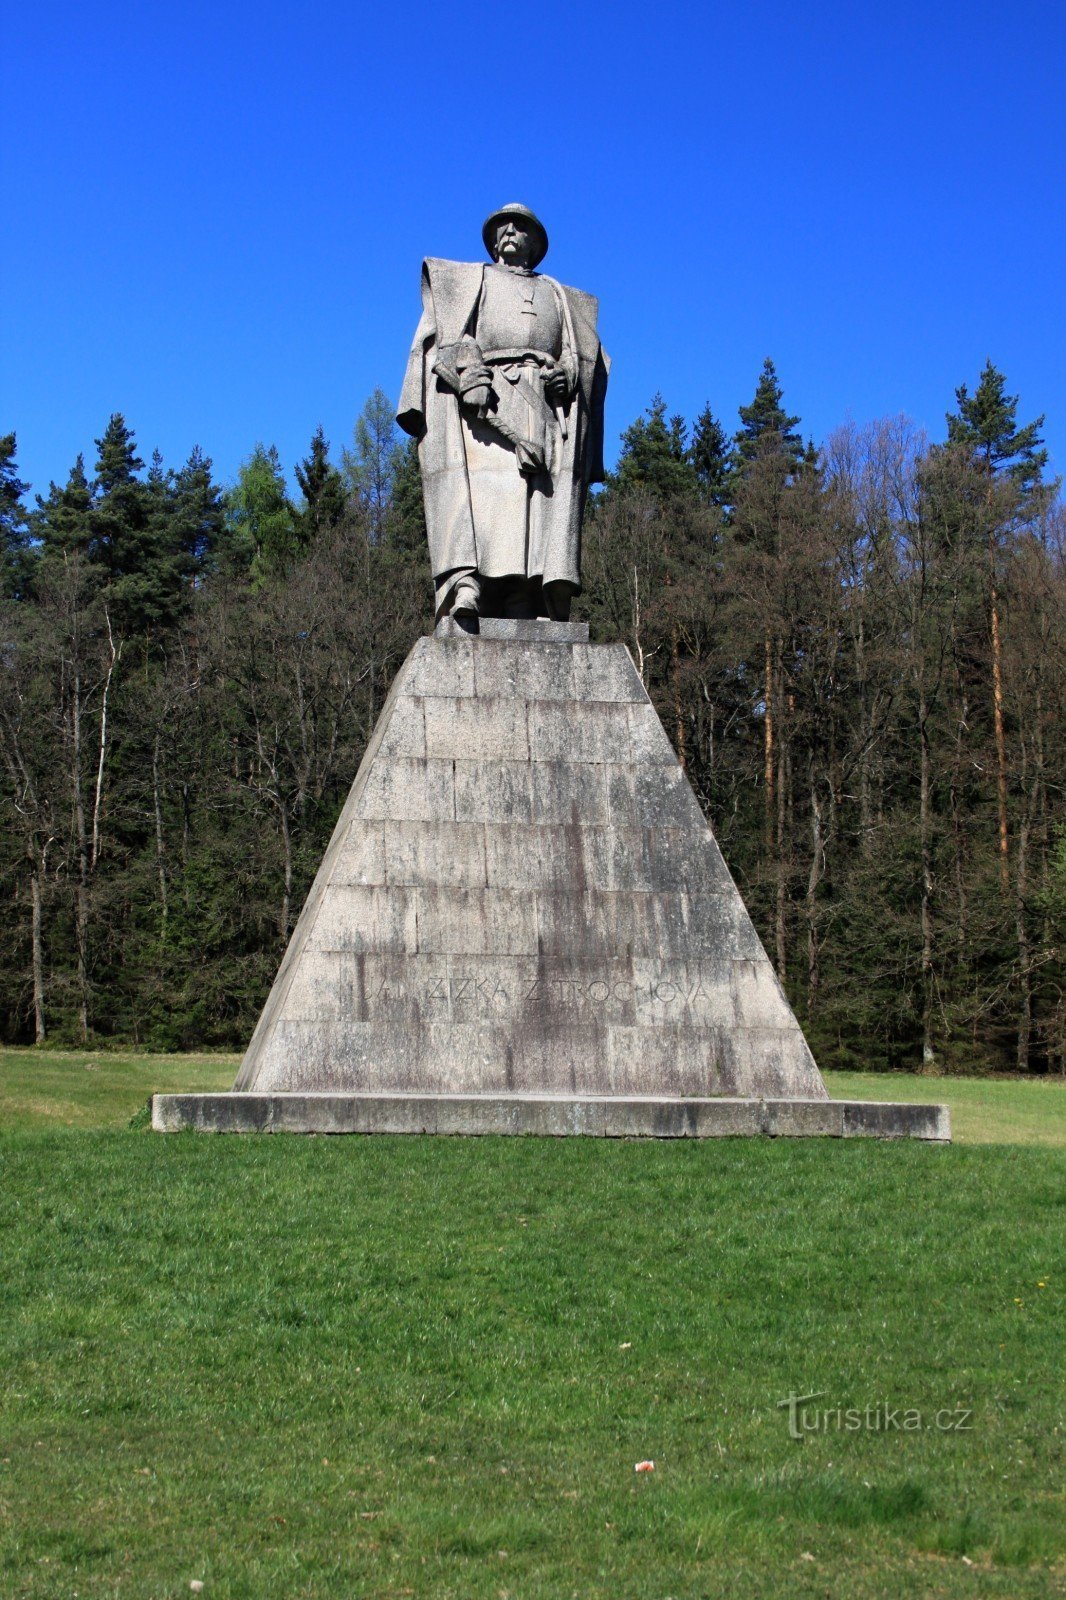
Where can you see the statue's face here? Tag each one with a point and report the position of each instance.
(514, 243)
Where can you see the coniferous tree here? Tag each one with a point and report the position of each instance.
(262, 534)
(766, 428)
(406, 526)
(655, 456)
(322, 488)
(987, 424)
(196, 513)
(370, 467)
(15, 549)
(60, 521)
(709, 454)
(133, 542)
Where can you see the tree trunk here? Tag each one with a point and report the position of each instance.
(780, 916)
(928, 1053)
(814, 878)
(37, 954)
(997, 717)
(768, 741)
(160, 849)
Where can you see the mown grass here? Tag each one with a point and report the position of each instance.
(99, 1089)
(385, 1367)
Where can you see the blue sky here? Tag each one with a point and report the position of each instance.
(216, 213)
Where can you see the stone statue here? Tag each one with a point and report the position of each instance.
(504, 393)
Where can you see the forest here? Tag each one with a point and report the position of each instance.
(858, 649)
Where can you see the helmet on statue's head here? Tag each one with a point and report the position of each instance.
(528, 219)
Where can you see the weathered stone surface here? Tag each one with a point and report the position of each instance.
(534, 630)
(522, 906)
(603, 1116)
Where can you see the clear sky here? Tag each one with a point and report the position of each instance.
(215, 213)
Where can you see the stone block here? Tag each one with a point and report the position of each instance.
(525, 672)
(445, 669)
(464, 922)
(647, 736)
(428, 855)
(688, 859)
(366, 918)
(492, 791)
(567, 730)
(879, 1120)
(804, 1119)
(521, 630)
(359, 859)
(409, 790)
(404, 734)
(473, 730)
(605, 672)
(568, 792)
(652, 795)
(532, 857)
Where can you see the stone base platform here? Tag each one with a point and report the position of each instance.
(597, 1116)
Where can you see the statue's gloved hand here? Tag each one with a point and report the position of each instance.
(475, 389)
(530, 458)
(557, 386)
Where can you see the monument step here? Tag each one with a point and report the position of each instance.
(595, 1116)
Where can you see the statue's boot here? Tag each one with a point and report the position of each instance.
(466, 601)
(557, 597)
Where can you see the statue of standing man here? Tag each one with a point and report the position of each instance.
(504, 393)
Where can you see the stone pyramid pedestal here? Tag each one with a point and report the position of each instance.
(523, 924)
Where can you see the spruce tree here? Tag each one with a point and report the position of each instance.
(709, 454)
(765, 429)
(406, 525)
(322, 488)
(133, 539)
(655, 456)
(15, 547)
(196, 513)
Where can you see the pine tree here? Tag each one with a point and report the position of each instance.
(655, 456)
(987, 425)
(15, 548)
(765, 429)
(709, 454)
(322, 488)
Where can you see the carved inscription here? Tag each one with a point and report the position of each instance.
(555, 991)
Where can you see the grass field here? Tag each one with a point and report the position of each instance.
(382, 1367)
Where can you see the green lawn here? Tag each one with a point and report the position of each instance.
(305, 1368)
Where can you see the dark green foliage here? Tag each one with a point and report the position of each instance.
(61, 519)
(766, 429)
(15, 550)
(709, 454)
(186, 696)
(406, 526)
(322, 488)
(655, 456)
(987, 424)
